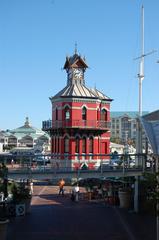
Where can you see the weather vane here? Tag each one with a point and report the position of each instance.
(75, 47)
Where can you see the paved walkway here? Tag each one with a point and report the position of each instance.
(55, 217)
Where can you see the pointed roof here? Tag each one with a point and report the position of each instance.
(75, 61)
(100, 95)
(80, 91)
(76, 87)
(75, 90)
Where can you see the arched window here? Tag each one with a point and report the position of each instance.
(26, 141)
(103, 115)
(66, 145)
(84, 145)
(67, 113)
(77, 145)
(91, 144)
(56, 114)
(84, 113)
(12, 140)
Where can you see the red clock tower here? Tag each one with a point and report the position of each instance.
(80, 126)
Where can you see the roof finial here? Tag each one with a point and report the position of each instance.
(75, 47)
(27, 122)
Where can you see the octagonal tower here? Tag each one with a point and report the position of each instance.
(80, 126)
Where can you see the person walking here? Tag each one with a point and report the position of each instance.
(31, 188)
(76, 191)
(61, 186)
(12, 163)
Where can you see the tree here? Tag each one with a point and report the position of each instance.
(148, 192)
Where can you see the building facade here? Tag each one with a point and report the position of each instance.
(124, 127)
(80, 125)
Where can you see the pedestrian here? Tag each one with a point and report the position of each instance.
(76, 193)
(12, 163)
(31, 187)
(73, 195)
(61, 186)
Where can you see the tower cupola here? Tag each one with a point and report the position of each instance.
(75, 67)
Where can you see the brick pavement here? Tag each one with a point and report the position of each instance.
(55, 217)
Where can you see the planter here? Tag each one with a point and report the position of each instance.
(20, 209)
(124, 198)
(3, 229)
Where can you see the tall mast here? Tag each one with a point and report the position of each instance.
(139, 128)
(141, 70)
(141, 78)
(141, 57)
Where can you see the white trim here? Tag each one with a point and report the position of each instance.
(84, 106)
(84, 163)
(75, 108)
(79, 108)
(80, 100)
(66, 105)
(104, 138)
(105, 109)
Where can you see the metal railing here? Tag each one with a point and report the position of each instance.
(77, 163)
(89, 124)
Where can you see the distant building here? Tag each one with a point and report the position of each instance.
(3, 140)
(124, 127)
(24, 136)
(80, 118)
(119, 148)
(1, 147)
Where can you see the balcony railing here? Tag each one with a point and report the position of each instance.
(89, 124)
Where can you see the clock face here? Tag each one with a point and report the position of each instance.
(77, 73)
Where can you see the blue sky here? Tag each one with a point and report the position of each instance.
(36, 36)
